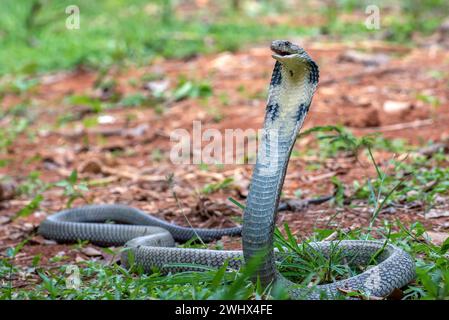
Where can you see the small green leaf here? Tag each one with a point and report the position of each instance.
(445, 246)
(238, 204)
(30, 208)
(73, 177)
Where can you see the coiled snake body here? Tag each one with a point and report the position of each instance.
(151, 241)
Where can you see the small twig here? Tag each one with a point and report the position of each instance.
(296, 205)
(119, 174)
(170, 183)
(323, 176)
(333, 236)
(103, 181)
(401, 126)
(429, 186)
(371, 45)
(358, 76)
(429, 151)
(131, 175)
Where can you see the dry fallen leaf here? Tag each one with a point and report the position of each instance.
(91, 252)
(396, 106)
(241, 183)
(15, 235)
(90, 166)
(223, 62)
(106, 119)
(396, 294)
(79, 259)
(436, 213)
(367, 59)
(4, 220)
(437, 238)
(7, 191)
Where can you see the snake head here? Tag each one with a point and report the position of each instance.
(286, 52)
(295, 61)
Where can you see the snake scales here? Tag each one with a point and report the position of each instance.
(151, 241)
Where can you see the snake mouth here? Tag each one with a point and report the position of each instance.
(280, 52)
(284, 50)
(282, 56)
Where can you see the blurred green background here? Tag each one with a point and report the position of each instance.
(34, 37)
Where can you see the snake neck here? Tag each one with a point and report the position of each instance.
(290, 95)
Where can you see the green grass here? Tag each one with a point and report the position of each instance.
(332, 141)
(111, 281)
(34, 40)
(413, 17)
(34, 37)
(299, 262)
(113, 33)
(214, 187)
(9, 134)
(414, 179)
(418, 178)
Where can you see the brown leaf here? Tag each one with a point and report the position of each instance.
(367, 59)
(79, 259)
(15, 235)
(90, 166)
(4, 220)
(396, 294)
(437, 238)
(436, 213)
(91, 252)
(241, 183)
(396, 106)
(7, 191)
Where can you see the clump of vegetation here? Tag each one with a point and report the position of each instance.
(33, 186)
(333, 140)
(301, 263)
(214, 187)
(35, 40)
(7, 135)
(190, 89)
(420, 179)
(34, 36)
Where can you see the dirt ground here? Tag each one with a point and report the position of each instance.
(352, 92)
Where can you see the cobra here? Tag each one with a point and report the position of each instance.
(151, 241)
